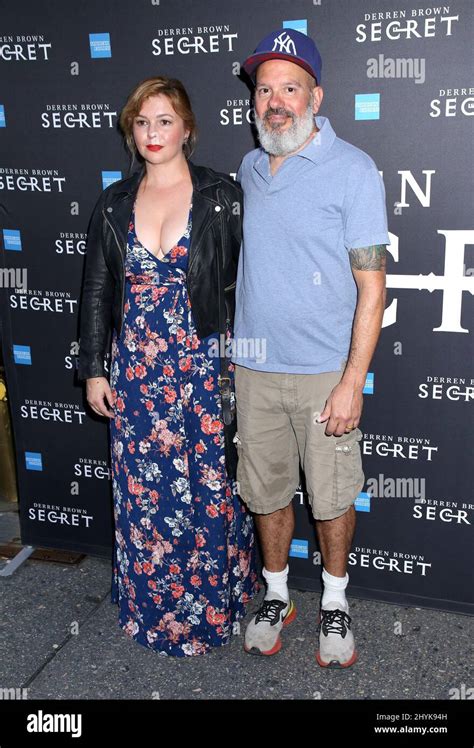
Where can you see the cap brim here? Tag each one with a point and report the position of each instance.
(251, 63)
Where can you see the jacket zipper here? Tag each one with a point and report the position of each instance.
(123, 268)
(224, 234)
(211, 222)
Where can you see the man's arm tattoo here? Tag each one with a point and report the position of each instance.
(368, 258)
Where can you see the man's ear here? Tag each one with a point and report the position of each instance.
(318, 94)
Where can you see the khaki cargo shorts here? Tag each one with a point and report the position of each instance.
(277, 431)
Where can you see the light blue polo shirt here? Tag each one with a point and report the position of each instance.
(295, 292)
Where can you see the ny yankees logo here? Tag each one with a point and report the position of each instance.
(284, 43)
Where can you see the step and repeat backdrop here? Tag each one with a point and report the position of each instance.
(398, 83)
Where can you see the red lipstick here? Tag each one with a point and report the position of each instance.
(154, 147)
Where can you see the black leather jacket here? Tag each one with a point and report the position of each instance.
(215, 237)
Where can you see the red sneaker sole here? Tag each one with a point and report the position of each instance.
(334, 663)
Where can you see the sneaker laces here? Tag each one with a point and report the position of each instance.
(335, 622)
(270, 611)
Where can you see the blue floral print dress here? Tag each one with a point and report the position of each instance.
(184, 556)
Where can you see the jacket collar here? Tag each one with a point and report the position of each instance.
(201, 177)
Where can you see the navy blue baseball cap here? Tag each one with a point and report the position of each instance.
(286, 44)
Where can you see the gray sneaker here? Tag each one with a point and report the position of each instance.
(336, 641)
(262, 636)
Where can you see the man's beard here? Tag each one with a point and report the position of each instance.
(282, 143)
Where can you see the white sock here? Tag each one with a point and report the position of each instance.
(277, 581)
(334, 589)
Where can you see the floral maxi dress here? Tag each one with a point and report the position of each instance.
(184, 556)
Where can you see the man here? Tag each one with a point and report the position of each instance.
(310, 301)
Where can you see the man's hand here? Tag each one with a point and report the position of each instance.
(343, 409)
(97, 391)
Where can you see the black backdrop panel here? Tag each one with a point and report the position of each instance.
(67, 69)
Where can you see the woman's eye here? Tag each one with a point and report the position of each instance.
(166, 122)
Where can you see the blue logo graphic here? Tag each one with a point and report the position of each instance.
(301, 26)
(369, 384)
(367, 106)
(109, 177)
(100, 45)
(22, 354)
(362, 503)
(299, 548)
(12, 240)
(2, 116)
(33, 461)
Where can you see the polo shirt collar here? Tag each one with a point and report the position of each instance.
(315, 151)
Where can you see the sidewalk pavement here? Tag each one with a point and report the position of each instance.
(42, 601)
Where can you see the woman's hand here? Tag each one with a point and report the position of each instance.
(97, 389)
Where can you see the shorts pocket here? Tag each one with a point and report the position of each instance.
(241, 478)
(348, 473)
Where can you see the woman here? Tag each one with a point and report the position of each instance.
(160, 242)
